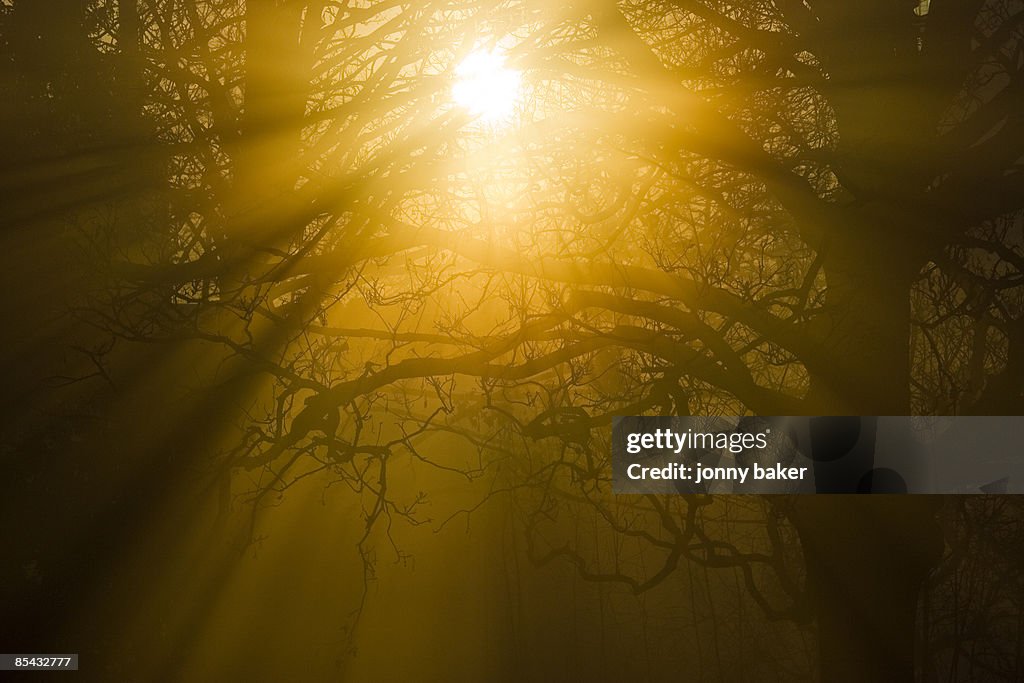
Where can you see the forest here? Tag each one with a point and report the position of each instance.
(319, 313)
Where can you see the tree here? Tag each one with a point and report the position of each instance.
(779, 208)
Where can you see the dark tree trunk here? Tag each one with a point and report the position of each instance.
(866, 556)
(867, 559)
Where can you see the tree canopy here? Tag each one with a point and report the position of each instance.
(683, 207)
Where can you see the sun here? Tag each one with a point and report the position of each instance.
(486, 87)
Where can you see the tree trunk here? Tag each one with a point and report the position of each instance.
(866, 556)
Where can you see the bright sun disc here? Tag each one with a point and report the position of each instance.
(486, 88)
